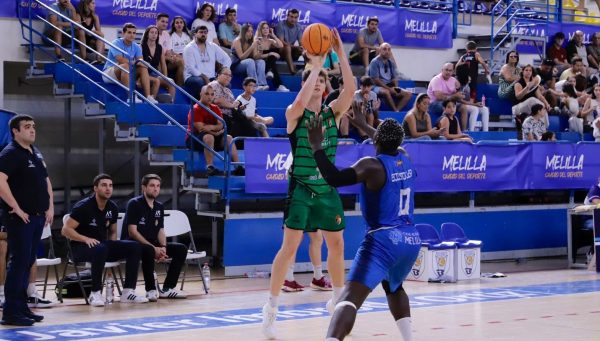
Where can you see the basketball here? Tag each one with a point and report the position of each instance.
(316, 39)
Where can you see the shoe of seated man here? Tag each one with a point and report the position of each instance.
(213, 171)
(292, 286)
(172, 293)
(96, 299)
(239, 171)
(282, 88)
(152, 295)
(129, 296)
(321, 284)
(37, 301)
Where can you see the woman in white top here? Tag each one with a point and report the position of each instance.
(246, 58)
(268, 46)
(589, 113)
(180, 37)
(205, 16)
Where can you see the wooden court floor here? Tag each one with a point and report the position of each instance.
(532, 303)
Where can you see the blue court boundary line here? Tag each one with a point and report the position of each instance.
(238, 317)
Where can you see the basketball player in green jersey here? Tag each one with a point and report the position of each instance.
(311, 201)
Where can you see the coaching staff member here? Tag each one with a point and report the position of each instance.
(27, 195)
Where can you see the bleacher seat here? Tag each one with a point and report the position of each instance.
(436, 257)
(467, 257)
(570, 136)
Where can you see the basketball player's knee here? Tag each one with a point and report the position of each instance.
(343, 304)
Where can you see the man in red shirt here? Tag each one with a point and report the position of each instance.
(207, 128)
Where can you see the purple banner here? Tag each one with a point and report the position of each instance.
(142, 12)
(310, 12)
(543, 30)
(37, 9)
(349, 19)
(247, 11)
(418, 29)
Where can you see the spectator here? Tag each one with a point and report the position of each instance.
(290, 33)
(248, 108)
(557, 53)
(90, 20)
(549, 136)
(205, 16)
(226, 102)
(369, 103)
(576, 48)
(535, 125)
(246, 58)
(472, 59)
(200, 57)
(383, 71)
(593, 195)
(153, 55)
(368, 42)
(509, 75)
(173, 61)
(442, 87)
(577, 122)
(527, 94)
(229, 29)
(593, 51)
(61, 35)
(589, 112)
(417, 122)
(473, 109)
(448, 124)
(208, 129)
(577, 68)
(118, 65)
(335, 94)
(180, 37)
(269, 46)
(596, 126)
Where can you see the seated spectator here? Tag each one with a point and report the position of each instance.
(596, 126)
(90, 20)
(527, 94)
(588, 115)
(246, 58)
(577, 68)
(118, 65)
(557, 53)
(248, 106)
(509, 75)
(473, 109)
(367, 44)
(92, 229)
(290, 33)
(448, 124)
(334, 95)
(471, 60)
(145, 222)
(269, 46)
(593, 51)
(208, 129)
(331, 65)
(229, 29)
(383, 71)
(442, 87)
(417, 122)
(225, 100)
(577, 121)
(180, 37)
(63, 35)
(369, 103)
(173, 61)
(576, 48)
(535, 125)
(593, 195)
(205, 16)
(549, 136)
(200, 57)
(153, 55)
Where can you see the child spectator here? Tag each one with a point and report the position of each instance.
(449, 123)
(90, 20)
(535, 125)
(248, 107)
(472, 59)
(549, 136)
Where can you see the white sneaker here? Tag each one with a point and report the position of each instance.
(138, 100)
(129, 296)
(269, 316)
(152, 295)
(270, 75)
(152, 100)
(282, 88)
(263, 88)
(330, 306)
(96, 299)
(172, 293)
(37, 301)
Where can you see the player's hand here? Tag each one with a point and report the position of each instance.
(336, 42)
(316, 60)
(315, 132)
(21, 214)
(358, 117)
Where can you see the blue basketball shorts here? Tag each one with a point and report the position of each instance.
(386, 254)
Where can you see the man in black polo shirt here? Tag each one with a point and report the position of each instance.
(87, 227)
(145, 223)
(26, 193)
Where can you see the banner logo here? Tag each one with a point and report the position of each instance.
(564, 166)
(417, 269)
(469, 258)
(146, 5)
(441, 263)
(354, 20)
(460, 167)
(280, 14)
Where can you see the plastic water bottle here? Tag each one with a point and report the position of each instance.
(206, 275)
(110, 289)
(483, 100)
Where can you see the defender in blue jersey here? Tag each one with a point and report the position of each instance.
(391, 243)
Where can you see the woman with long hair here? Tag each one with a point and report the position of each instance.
(417, 122)
(180, 37)
(268, 48)
(153, 54)
(528, 92)
(245, 57)
(90, 20)
(205, 16)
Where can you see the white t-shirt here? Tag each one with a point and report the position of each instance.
(250, 110)
(596, 129)
(178, 43)
(212, 31)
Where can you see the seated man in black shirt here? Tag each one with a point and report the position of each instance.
(144, 220)
(87, 227)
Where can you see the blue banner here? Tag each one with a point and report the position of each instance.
(310, 12)
(349, 19)
(549, 30)
(419, 29)
(142, 12)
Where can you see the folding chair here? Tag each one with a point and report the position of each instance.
(467, 258)
(87, 265)
(50, 261)
(176, 224)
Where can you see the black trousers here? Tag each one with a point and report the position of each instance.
(176, 251)
(110, 251)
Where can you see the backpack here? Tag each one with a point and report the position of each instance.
(70, 285)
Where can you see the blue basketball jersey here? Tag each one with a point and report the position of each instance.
(393, 204)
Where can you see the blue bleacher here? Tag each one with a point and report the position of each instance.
(492, 135)
(162, 135)
(146, 114)
(568, 136)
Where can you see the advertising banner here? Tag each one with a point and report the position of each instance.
(349, 19)
(419, 29)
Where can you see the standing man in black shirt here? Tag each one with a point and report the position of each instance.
(145, 223)
(88, 225)
(27, 195)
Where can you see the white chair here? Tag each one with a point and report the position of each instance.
(87, 265)
(50, 261)
(176, 224)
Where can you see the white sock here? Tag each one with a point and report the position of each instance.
(273, 301)
(318, 271)
(289, 275)
(31, 290)
(337, 292)
(1, 290)
(404, 325)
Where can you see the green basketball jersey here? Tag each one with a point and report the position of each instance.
(304, 167)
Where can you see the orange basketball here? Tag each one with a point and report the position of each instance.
(316, 39)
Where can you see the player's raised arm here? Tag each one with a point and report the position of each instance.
(343, 102)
